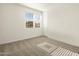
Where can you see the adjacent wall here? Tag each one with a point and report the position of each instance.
(63, 23)
(12, 23)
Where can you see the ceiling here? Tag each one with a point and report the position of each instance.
(38, 6)
(49, 6)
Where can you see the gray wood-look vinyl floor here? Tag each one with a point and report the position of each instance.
(28, 47)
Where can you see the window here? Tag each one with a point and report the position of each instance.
(29, 24)
(37, 21)
(29, 16)
(29, 20)
(32, 20)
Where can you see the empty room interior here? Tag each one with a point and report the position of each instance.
(39, 29)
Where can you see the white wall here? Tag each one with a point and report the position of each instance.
(63, 23)
(1, 20)
(12, 23)
(44, 22)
